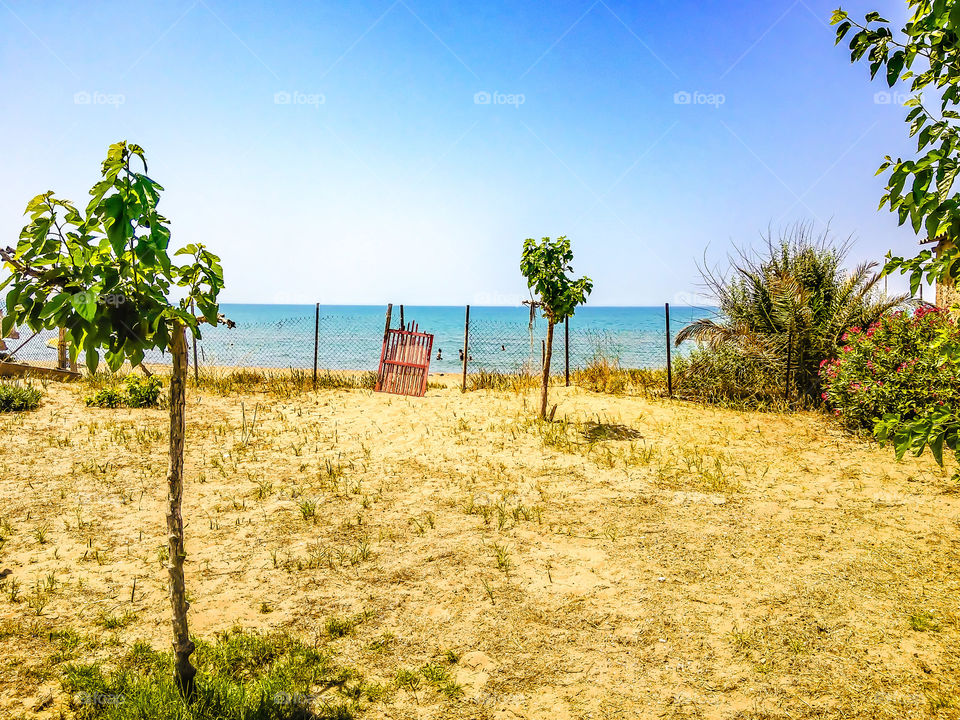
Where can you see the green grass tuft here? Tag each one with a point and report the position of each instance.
(18, 397)
(241, 676)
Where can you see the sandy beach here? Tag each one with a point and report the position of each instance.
(640, 559)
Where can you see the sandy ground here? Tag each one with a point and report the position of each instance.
(676, 561)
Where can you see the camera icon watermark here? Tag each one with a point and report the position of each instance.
(85, 97)
(482, 97)
(295, 97)
(683, 97)
(886, 97)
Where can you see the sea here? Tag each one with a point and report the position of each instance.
(349, 337)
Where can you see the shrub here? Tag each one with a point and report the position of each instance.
(504, 381)
(729, 376)
(893, 367)
(136, 392)
(142, 391)
(108, 397)
(603, 374)
(791, 298)
(16, 397)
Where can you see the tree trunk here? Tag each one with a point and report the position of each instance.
(182, 646)
(546, 370)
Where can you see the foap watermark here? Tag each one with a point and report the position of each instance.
(489, 699)
(295, 97)
(299, 699)
(496, 298)
(888, 97)
(97, 699)
(692, 300)
(715, 100)
(88, 297)
(96, 97)
(483, 97)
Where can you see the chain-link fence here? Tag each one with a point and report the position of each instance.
(499, 340)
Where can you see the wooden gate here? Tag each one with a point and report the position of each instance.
(405, 362)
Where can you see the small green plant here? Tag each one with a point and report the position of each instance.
(503, 557)
(38, 601)
(337, 627)
(408, 680)
(18, 397)
(308, 508)
(110, 621)
(108, 397)
(142, 391)
(924, 621)
(439, 677)
(136, 392)
(40, 534)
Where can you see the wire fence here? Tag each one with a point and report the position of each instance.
(635, 338)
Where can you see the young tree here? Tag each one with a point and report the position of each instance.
(545, 265)
(926, 53)
(104, 275)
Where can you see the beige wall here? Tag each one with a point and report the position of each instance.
(947, 293)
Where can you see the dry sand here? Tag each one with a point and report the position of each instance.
(711, 564)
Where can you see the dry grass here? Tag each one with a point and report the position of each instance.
(636, 559)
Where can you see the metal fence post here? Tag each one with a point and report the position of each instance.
(466, 348)
(316, 343)
(402, 326)
(666, 311)
(566, 350)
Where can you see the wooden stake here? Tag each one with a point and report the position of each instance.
(62, 350)
(547, 352)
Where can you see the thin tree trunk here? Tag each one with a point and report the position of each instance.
(182, 646)
(546, 370)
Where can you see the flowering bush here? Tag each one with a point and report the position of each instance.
(896, 368)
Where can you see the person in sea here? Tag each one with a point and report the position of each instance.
(439, 353)
(461, 354)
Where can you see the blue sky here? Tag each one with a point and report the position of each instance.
(343, 152)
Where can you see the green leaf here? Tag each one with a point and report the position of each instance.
(54, 306)
(85, 303)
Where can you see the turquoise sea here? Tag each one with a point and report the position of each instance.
(501, 338)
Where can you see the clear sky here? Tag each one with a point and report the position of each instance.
(342, 152)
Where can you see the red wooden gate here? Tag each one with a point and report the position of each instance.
(405, 362)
